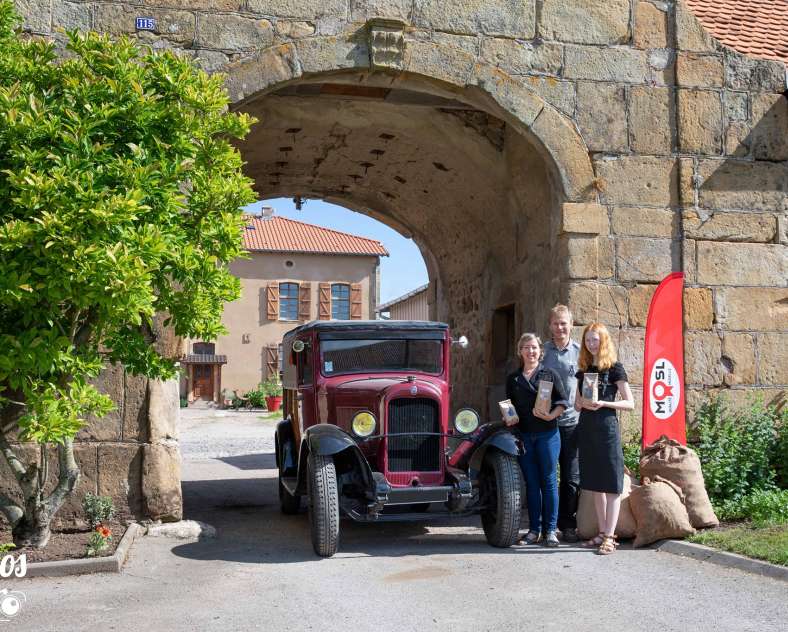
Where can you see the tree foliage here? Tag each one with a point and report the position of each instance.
(120, 197)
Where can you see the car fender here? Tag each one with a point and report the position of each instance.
(329, 440)
(503, 441)
(286, 455)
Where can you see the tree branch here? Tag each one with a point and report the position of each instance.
(67, 478)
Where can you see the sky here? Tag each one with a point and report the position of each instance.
(402, 271)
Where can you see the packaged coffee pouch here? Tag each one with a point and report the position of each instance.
(508, 412)
(543, 399)
(590, 387)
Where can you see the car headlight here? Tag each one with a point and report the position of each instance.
(363, 423)
(466, 420)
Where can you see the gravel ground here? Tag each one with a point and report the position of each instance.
(260, 572)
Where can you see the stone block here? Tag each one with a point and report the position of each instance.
(200, 5)
(135, 408)
(468, 43)
(299, 8)
(602, 116)
(631, 343)
(110, 427)
(700, 121)
(585, 21)
(738, 140)
(736, 105)
(642, 259)
(363, 10)
(698, 308)
(583, 300)
(120, 476)
(650, 119)
(616, 65)
(738, 357)
(71, 513)
(638, 180)
(171, 24)
(643, 222)
(580, 217)
(70, 15)
(211, 61)
(598, 302)
(161, 482)
(702, 358)
(721, 263)
(606, 257)
(752, 308)
(163, 410)
(325, 54)
(561, 94)
(730, 226)
(753, 75)
(234, 33)
(639, 303)
(509, 18)
(694, 70)
(769, 124)
(36, 15)
(750, 186)
(687, 182)
(580, 256)
(773, 358)
(689, 260)
(690, 35)
(518, 57)
(294, 29)
(651, 26)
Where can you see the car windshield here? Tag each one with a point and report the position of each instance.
(371, 356)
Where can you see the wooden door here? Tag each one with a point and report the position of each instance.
(203, 382)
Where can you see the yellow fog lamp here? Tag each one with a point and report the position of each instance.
(466, 420)
(363, 424)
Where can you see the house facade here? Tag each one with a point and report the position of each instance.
(294, 273)
(413, 305)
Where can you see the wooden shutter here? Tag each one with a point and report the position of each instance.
(355, 301)
(272, 300)
(324, 301)
(271, 361)
(305, 301)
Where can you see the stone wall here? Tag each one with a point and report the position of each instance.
(658, 148)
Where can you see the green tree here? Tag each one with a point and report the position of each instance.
(120, 198)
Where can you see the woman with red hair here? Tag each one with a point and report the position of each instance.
(598, 433)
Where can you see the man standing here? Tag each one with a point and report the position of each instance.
(560, 354)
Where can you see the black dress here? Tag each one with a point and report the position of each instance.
(599, 436)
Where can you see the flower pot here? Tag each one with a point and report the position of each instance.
(273, 403)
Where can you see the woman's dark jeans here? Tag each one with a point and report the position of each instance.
(538, 463)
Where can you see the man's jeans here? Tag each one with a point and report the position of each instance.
(538, 463)
(569, 486)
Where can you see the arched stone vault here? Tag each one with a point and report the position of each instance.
(458, 155)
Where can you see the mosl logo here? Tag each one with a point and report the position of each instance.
(664, 388)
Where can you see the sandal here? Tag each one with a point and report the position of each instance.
(608, 545)
(532, 537)
(594, 542)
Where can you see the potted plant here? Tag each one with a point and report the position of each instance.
(273, 392)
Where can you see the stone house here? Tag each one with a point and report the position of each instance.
(294, 272)
(537, 151)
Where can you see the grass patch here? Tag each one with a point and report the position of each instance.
(769, 542)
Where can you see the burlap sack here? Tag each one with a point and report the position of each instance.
(659, 511)
(587, 526)
(679, 464)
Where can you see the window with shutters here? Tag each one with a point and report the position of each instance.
(288, 301)
(271, 361)
(340, 301)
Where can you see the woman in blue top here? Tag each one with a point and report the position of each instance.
(540, 436)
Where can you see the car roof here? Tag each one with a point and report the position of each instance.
(368, 325)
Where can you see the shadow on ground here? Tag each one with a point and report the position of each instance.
(251, 529)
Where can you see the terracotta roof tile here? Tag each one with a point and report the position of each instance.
(280, 234)
(758, 28)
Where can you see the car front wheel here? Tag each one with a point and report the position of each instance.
(323, 504)
(501, 490)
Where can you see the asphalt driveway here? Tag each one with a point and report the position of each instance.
(260, 572)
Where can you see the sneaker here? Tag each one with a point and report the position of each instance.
(570, 535)
(551, 539)
(532, 537)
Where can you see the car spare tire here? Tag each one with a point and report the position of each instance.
(501, 492)
(323, 504)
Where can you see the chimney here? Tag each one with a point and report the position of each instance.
(267, 212)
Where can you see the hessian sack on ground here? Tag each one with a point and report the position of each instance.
(587, 526)
(658, 507)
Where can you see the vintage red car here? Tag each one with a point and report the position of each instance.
(369, 432)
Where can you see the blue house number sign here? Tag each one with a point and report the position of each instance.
(146, 24)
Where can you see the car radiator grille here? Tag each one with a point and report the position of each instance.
(413, 453)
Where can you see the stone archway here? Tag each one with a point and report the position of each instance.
(465, 159)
